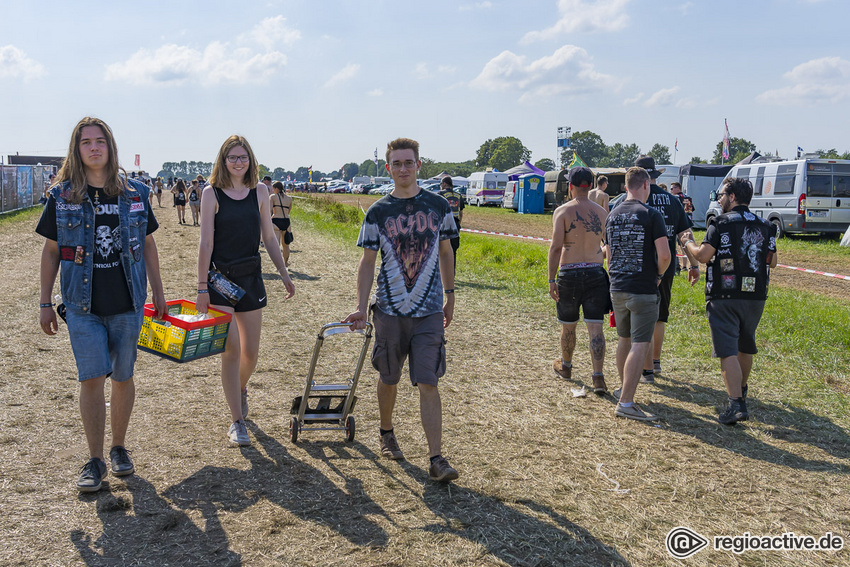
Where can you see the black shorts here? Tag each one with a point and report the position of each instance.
(733, 324)
(585, 288)
(665, 288)
(281, 223)
(254, 298)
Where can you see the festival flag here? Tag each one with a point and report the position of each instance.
(726, 154)
(577, 161)
(138, 159)
(310, 173)
(676, 145)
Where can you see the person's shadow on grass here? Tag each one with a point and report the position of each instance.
(786, 422)
(149, 531)
(294, 486)
(526, 534)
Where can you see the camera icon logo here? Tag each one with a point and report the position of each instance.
(683, 542)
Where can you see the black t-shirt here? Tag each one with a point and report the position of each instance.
(110, 294)
(675, 219)
(630, 232)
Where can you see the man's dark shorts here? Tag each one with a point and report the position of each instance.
(665, 288)
(422, 339)
(733, 324)
(585, 288)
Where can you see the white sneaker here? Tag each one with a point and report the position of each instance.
(239, 434)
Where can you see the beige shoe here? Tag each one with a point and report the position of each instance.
(634, 412)
(564, 372)
(390, 448)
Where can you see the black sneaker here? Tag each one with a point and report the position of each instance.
(737, 411)
(441, 471)
(91, 475)
(744, 393)
(121, 463)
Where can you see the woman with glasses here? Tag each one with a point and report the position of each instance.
(235, 215)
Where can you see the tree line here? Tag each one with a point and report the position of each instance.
(501, 154)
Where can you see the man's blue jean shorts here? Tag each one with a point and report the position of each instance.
(635, 315)
(104, 346)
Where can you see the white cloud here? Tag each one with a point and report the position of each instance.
(568, 71)
(423, 71)
(664, 97)
(671, 97)
(14, 63)
(584, 16)
(272, 32)
(218, 62)
(819, 81)
(376, 92)
(633, 99)
(344, 74)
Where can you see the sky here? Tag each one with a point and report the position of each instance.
(325, 82)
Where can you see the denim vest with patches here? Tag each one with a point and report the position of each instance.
(76, 239)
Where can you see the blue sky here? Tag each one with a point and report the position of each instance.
(325, 82)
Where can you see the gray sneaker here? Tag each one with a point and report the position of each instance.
(616, 393)
(390, 448)
(122, 465)
(239, 434)
(634, 412)
(656, 366)
(647, 378)
(91, 475)
(245, 403)
(441, 470)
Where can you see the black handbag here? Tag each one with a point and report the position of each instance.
(239, 268)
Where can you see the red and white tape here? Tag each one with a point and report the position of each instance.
(806, 270)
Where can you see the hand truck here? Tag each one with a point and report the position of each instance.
(333, 402)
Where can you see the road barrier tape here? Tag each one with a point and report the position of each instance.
(537, 238)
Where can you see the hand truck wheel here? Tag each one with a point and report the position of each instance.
(349, 428)
(293, 429)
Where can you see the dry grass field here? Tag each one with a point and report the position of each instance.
(546, 478)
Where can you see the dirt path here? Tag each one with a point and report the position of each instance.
(529, 453)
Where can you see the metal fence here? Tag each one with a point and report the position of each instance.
(23, 185)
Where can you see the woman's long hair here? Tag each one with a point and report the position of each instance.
(74, 171)
(180, 185)
(220, 176)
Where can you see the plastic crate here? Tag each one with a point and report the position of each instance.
(180, 340)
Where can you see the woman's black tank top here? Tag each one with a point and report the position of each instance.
(237, 227)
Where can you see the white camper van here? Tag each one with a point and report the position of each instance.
(798, 196)
(486, 188)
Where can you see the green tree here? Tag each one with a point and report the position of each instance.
(545, 164)
(502, 153)
(832, 154)
(697, 159)
(660, 153)
(349, 170)
(589, 146)
(263, 171)
(619, 155)
(279, 174)
(739, 148)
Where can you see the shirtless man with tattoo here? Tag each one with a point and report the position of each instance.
(577, 278)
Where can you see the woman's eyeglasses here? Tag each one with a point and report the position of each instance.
(235, 159)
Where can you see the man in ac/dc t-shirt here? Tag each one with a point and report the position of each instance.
(107, 272)
(412, 229)
(638, 255)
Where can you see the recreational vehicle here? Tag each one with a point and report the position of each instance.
(798, 196)
(486, 188)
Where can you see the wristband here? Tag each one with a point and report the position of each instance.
(46, 305)
(449, 290)
(694, 268)
(200, 291)
(553, 281)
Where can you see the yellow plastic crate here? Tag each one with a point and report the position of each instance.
(180, 340)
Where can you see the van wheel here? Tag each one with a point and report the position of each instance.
(708, 220)
(778, 224)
